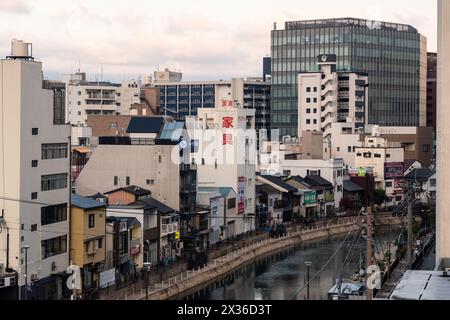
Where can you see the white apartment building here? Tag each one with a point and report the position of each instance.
(98, 98)
(343, 143)
(387, 161)
(34, 180)
(443, 136)
(329, 96)
(226, 156)
(331, 170)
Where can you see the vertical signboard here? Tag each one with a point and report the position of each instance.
(241, 195)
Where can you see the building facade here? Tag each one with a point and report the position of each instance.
(182, 99)
(387, 52)
(431, 89)
(328, 97)
(443, 136)
(34, 179)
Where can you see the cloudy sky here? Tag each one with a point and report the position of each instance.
(206, 39)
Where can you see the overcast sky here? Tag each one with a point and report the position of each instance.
(205, 39)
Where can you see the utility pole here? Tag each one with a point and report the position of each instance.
(308, 265)
(409, 257)
(369, 257)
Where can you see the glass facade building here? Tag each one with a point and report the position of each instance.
(391, 55)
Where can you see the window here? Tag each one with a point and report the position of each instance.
(359, 154)
(308, 121)
(79, 93)
(116, 181)
(35, 131)
(350, 149)
(388, 184)
(377, 155)
(315, 110)
(308, 111)
(160, 159)
(338, 149)
(34, 196)
(426, 148)
(315, 89)
(123, 243)
(54, 182)
(339, 188)
(54, 151)
(315, 121)
(286, 172)
(34, 163)
(367, 155)
(432, 183)
(34, 227)
(53, 247)
(315, 100)
(388, 155)
(91, 221)
(308, 100)
(232, 203)
(100, 243)
(150, 182)
(53, 214)
(308, 89)
(128, 181)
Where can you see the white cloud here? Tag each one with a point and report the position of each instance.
(14, 6)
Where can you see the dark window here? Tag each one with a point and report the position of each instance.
(308, 110)
(308, 121)
(128, 181)
(91, 221)
(116, 181)
(53, 247)
(315, 89)
(388, 184)
(315, 110)
(388, 155)
(350, 149)
(34, 196)
(367, 155)
(54, 182)
(308, 89)
(53, 214)
(426, 148)
(54, 151)
(35, 131)
(315, 100)
(315, 121)
(150, 182)
(34, 163)
(377, 155)
(308, 100)
(100, 243)
(232, 203)
(34, 227)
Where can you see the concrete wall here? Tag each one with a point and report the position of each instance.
(443, 134)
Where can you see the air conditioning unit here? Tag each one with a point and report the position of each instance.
(2, 268)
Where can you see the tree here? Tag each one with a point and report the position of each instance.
(379, 196)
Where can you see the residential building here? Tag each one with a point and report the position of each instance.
(34, 180)
(387, 161)
(443, 135)
(359, 46)
(268, 202)
(126, 195)
(353, 196)
(431, 89)
(167, 76)
(88, 241)
(330, 170)
(226, 156)
(267, 68)
(182, 99)
(329, 96)
(309, 205)
(123, 248)
(426, 178)
(222, 202)
(98, 98)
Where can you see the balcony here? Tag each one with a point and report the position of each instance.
(167, 229)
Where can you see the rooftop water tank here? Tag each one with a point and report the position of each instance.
(21, 50)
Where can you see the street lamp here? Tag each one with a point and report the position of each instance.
(308, 265)
(26, 247)
(146, 269)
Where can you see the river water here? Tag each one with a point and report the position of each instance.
(281, 277)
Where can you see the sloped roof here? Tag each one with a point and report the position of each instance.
(85, 203)
(151, 203)
(350, 186)
(145, 125)
(408, 163)
(301, 180)
(224, 191)
(267, 189)
(280, 183)
(419, 174)
(318, 181)
(135, 190)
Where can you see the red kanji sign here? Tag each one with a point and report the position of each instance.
(227, 139)
(227, 103)
(227, 122)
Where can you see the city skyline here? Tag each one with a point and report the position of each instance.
(203, 40)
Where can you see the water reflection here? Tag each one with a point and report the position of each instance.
(281, 277)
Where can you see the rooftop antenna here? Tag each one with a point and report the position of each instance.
(101, 72)
(274, 26)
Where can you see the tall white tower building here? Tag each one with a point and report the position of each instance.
(34, 181)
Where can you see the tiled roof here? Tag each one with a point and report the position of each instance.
(318, 181)
(151, 203)
(277, 181)
(86, 203)
(267, 189)
(135, 190)
(419, 174)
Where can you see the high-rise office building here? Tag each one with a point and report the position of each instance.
(393, 55)
(443, 137)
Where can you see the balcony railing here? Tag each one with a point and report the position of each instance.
(169, 229)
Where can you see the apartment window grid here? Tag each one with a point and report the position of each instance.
(359, 49)
(54, 151)
(54, 182)
(53, 247)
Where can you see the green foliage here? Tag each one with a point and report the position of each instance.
(379, 196)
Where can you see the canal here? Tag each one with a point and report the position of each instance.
(280, 277)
